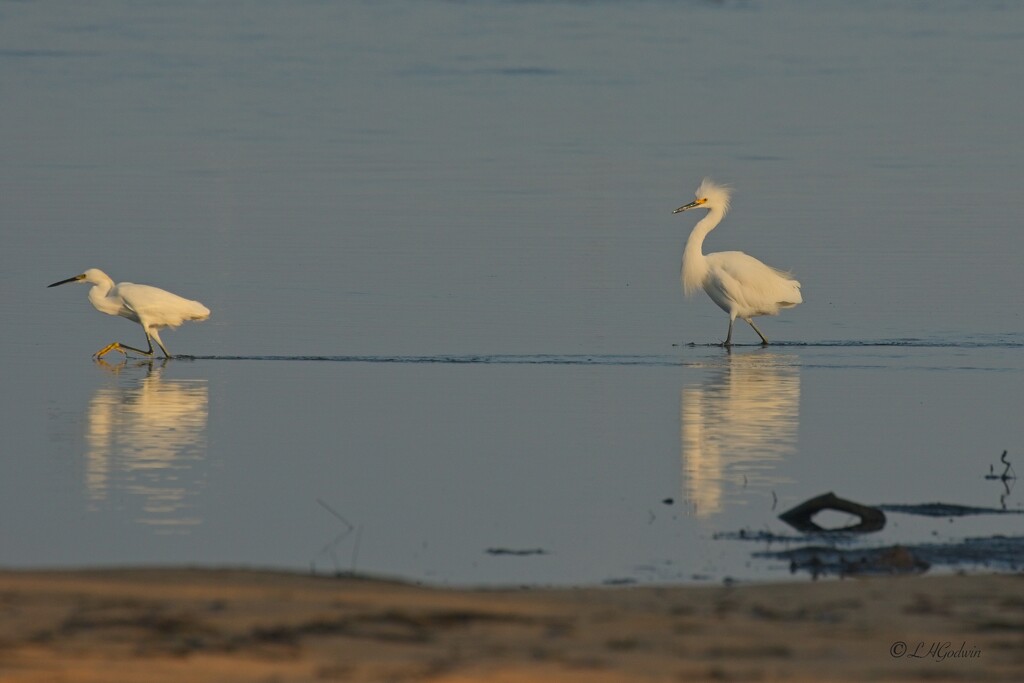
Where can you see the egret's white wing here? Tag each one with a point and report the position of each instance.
(755, 288)
(158, 307)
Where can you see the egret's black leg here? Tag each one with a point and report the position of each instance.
(764, 340)
(728, 337)
(162, 348)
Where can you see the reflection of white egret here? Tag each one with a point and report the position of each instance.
(143, 437)
(151, 307)
(736, 425)
(741, 285)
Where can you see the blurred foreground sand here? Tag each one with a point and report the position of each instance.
(225, 625)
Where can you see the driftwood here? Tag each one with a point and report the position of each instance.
(871, 518)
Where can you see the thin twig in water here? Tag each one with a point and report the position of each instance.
(329, 548)
(355, 548)
(1008, 472)
(1008, 477)
(1009, 468)
(335, 513)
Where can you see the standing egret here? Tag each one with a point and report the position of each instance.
(741, 285)
(151, 307)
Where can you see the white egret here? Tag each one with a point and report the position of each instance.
(741, 285)
(151, 307)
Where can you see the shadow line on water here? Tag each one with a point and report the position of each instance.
(651, 360)
(1009, 342)
(483, 359)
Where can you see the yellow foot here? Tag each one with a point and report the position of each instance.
(112, 346)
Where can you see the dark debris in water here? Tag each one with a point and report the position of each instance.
(946, 510)
(1003, 552)
(772, 537)
(619, 581)
(750, 535)
(516, 552)
(833, 551)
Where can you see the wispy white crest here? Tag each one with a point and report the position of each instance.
(716, 195)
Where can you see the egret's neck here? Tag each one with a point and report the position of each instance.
(99, 299)
(695, 266)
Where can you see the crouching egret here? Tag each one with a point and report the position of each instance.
(151, 307)
(741, 285)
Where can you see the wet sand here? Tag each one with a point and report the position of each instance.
(232, 625)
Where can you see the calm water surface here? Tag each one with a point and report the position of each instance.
(438, 246)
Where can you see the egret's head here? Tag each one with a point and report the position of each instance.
(93, 275)
(711, 196)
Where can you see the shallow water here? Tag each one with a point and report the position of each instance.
(447, 325)
(501, 469)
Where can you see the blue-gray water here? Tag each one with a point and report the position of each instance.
(437, 241)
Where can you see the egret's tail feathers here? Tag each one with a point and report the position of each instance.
(795, 296)
(792, 296)
(799, 298)
(199, 312)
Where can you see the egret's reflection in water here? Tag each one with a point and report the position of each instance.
(736, 425)
(145, 437)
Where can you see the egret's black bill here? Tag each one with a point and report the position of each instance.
(691, 205)
(70, 279)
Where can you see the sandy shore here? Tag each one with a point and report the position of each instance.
(224, 625)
